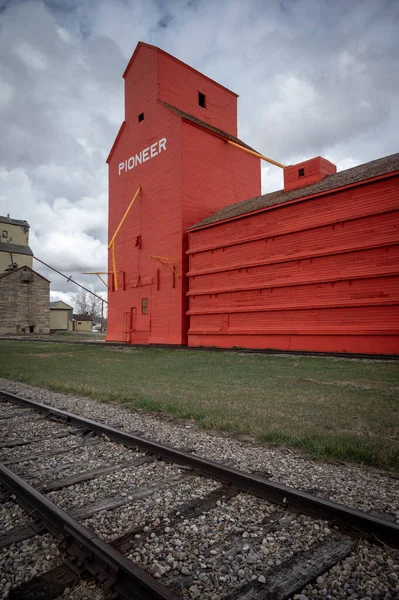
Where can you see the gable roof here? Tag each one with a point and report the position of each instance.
(375, 168)
(60, 305)
(118, 135)
(218, 132)
(13, 271)
(15, 248)
(152, 47)
(82, 317)
(191, 119)
(13, 221)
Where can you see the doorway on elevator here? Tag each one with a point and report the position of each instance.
(129, 324)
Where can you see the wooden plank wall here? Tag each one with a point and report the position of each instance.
(320, 274)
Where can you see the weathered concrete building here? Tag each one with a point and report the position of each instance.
(24, 294)
(24, 305)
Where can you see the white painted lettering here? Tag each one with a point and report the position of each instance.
(149, 152)
(154, 151)
(146, 154)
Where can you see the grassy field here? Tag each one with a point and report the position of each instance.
(78, 336)
(335, 408)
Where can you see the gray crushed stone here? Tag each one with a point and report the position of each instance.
(20, 562)
(228, 545)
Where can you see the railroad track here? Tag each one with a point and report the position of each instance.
(197, 528)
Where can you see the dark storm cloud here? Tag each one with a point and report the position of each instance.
(309, 77)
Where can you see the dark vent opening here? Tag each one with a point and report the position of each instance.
(141, 117)
(201, 100)
(301, 172)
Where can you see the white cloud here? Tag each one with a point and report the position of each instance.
(71, 297)
(314, 77)
(32, 58)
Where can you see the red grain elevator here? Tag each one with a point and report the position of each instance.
(173, 158)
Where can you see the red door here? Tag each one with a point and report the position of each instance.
(126, 327)
(129, 324)
(133, 322)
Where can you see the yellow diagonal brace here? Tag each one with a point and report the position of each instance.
(123, 218)
(112, 241)
(269, 160)
(114, 267)
(101, 279)
(165, 260)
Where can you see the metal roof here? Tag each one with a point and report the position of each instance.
(375, 168)
(13, 221)
(64, 306)
(15, 248)
(211, 128)
(24, 267)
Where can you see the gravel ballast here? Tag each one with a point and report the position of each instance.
(228, 545)
(20, 562)
(82, 459)
(365, 488)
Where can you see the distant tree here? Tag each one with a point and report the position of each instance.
(94, 308)
(81, 303)
(86, 304)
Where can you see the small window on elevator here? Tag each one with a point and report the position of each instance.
(144, 306)
(301, 172)
(141, 117)
(202, 100)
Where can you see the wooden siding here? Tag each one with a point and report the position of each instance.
(317, 275)
(313, 170)
(152, 228)
(179, 85)
(195, 176)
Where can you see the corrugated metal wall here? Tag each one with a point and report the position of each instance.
(319, 274)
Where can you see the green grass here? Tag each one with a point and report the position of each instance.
(72, 336)
(334, 408)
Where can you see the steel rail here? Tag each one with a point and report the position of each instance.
(351, 521)
(86, 551)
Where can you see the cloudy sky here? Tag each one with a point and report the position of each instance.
(314, 77)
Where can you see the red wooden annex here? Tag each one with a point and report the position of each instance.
(311, 268)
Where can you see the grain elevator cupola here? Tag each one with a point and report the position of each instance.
(307, 172)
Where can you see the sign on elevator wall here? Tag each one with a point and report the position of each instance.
(146, 154)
